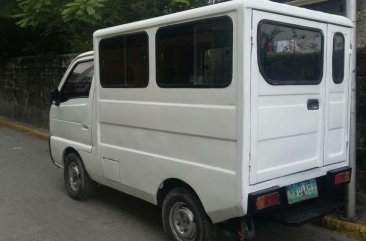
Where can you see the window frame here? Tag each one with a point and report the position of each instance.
(75, 64)
(344, 57)
(148, 62)
(289, 82)
(198, 86)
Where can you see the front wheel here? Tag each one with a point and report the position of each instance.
(78, 184)
(184, 218)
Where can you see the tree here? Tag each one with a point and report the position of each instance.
(37, 13)
(72, 22)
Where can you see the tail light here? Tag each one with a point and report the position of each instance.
(268, 200)
(343, 177)
(339, 176)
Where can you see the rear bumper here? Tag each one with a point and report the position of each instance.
(301, 212)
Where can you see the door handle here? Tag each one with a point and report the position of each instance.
(313, 104)
(84, 126)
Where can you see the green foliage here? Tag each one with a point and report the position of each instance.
(33, 13)
(72, 22)
(83, 10)
(6, 7)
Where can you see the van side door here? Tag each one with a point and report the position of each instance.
(71, 119)
(337, 95)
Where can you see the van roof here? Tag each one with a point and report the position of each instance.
(197, 13)
(85, 54)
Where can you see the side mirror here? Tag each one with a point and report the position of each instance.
(55, 97)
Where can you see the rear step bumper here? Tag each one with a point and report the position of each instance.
(302, 214)
(276, 200)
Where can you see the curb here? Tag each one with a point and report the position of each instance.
(358, 231)
(24, 129)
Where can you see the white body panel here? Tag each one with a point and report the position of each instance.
(215, 140)
(172, 133)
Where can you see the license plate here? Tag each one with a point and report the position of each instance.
(302, 191)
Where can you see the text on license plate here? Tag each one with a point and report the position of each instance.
(302, 191)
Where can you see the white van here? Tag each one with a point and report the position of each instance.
(216, 113)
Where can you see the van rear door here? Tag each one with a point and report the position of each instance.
(337, 96)
(287, 95)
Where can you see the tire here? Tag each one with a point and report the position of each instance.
(184, 218)
(78, 184)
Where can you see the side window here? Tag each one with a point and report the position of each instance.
(290, 54)
(338, 58)
(196, 54)
(124, 61)
(77, 84)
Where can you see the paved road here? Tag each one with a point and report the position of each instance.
(35, 207)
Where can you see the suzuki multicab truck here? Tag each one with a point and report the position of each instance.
(217, 113)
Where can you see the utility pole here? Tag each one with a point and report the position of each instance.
(351, 13)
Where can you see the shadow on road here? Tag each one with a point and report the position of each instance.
(142, 210)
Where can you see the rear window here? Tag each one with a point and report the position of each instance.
(124, 61)
(196, 54)
(338, 58)
(290, 54)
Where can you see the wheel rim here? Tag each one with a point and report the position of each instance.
(182, 222)
(74, 177)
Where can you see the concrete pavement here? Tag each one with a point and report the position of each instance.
(35, 207)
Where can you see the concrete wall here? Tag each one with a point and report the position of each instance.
(361, 101)
(361, 123)
(25, 84)
(361, 23)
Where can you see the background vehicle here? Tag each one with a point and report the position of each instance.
(215, 113)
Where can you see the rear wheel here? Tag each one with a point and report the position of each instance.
(184, 218)
(78, 184)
